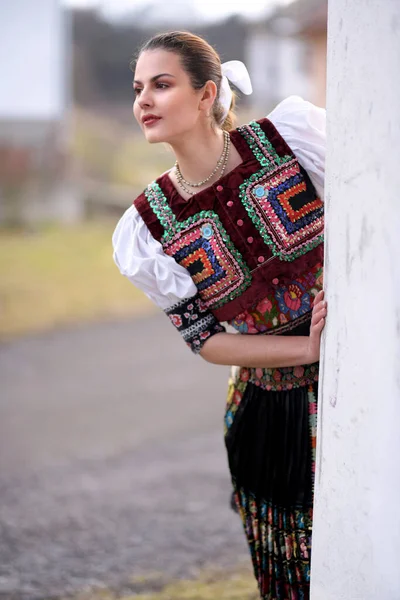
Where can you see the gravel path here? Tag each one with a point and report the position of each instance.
(112, 462)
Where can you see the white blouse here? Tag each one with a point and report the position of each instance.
(141, 258)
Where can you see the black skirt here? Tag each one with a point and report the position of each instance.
(270, 436)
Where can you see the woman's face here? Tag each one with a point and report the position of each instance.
(166, 105)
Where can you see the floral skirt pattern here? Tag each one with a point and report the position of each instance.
(270, 435)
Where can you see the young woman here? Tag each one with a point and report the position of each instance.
(233, 233)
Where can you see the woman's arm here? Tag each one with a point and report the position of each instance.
(268, 351)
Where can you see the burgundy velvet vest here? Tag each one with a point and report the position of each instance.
(259, 226)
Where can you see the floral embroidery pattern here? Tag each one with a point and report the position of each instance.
(194, 322)
(276, 380)
(293, 300)
(287, 307)
(236, 387)
(284, 378)
(280, 546)
(176, 320)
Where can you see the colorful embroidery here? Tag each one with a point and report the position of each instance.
(236, 387)
(280, 546)
(285, 210)
(312, 415)
(280, 200)
(288, 306)
(217, 269)
(203, 247)
(261, 147)
(293, 300)
(161, 209)
(284, 378)
(194, 322)
(275, 380)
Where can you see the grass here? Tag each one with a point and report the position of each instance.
(59, 276)
(211, 585)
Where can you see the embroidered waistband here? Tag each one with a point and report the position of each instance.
(284, 378)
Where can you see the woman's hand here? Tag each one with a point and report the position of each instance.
(317, 325)
(268, 351)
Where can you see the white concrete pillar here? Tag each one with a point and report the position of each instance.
(356, 536)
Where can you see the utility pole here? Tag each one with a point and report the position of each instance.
(356, 534)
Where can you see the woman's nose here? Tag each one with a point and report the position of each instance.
(145, 99)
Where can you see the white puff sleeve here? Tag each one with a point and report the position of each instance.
(143, 261)
(303, 127)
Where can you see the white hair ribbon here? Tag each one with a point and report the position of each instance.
(237, 73)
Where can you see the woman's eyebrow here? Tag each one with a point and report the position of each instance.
(153, 79)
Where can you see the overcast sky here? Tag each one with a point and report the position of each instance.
(208, 9)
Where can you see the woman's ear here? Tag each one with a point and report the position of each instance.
(207, 99)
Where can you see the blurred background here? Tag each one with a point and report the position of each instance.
(94, 418)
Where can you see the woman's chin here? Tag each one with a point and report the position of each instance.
(155, 139)
(154, 135)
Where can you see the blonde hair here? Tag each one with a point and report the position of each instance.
(200, 61)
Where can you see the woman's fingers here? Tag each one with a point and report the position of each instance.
(318, 327)
(319, 297)
(319, 310)
(318, 313)
(318, 317)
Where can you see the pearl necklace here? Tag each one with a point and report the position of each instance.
(221, 164)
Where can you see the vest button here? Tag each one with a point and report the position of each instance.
(260, 259)
(275, 281)
(250, 240)
(239, 222)
(219, 188)
(230, 203)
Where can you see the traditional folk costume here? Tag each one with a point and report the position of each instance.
(248, 251)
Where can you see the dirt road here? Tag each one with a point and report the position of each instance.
(112, 462)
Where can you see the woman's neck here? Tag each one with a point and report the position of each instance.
(198, 153)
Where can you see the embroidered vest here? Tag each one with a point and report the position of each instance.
(257, 229)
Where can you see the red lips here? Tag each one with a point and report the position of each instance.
(150, 119)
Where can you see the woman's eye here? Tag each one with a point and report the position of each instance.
(136, 91)
(162, 86)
